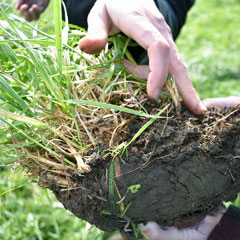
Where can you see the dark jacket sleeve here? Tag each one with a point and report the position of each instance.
(229, 226)
(181, 7)
(175, 13)
(78, 11)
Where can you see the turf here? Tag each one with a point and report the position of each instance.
(209, 43)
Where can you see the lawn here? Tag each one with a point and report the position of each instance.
(210, 45)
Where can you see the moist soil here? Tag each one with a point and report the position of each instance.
(186, 166)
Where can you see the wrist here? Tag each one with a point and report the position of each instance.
(228, 227)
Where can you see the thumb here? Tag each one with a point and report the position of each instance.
(222, 102)
(140, 71)
(98, 28)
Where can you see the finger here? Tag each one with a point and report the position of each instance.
(23, 9)
(42, 5)
(29, 15)
(158, 63)
(184, 84)
(222, 102)
(98, 28)
(19, 4)
(209, 223)
(183, 81)
(219, 212)
(152, 231)
(140, 71)
(186, 89)
(148, 36)
(34, 12)
(179, 71)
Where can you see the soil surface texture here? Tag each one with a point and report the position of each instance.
(182, 169)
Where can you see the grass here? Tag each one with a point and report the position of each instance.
(67, 105)
(54, 108)
(210, 45)
(29, 212)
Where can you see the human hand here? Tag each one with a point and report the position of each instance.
(222, 102)
(201, 231)
(142, 21)
(31, 9)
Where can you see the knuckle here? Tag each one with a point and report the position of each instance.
(163, 45)
(162, 24)
(180, 67)
(160, 20)
(169, 29)
(146, 33)
(178, 62)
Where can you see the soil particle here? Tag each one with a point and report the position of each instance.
(186, 166)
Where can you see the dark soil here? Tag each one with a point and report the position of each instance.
(186, 166)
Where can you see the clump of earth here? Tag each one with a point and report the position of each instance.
(179, 170)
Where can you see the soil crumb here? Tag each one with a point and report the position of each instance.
(180, 169)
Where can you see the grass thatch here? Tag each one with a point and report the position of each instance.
(57, 103)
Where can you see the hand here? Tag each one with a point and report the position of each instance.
(31, 9)
(222, 102)
(152, 231)
(142, 21)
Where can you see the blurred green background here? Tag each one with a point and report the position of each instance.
(210, 46)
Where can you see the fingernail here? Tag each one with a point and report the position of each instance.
(203, 107)
(156, 94)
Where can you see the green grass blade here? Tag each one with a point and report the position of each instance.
(34, 55)
(6, 88)
(7, 52)
(145, 126)
(110, 106)
(34, 41)
(58, 32)
(12, 189)
(23, 119)
(111, 72)
(125, 210)
(36, 141)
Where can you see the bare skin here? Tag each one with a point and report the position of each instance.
(142, 72)
(152, 231)
(222, 102)
(31, 9)
(142, 21)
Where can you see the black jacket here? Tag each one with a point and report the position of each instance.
(174, 11)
